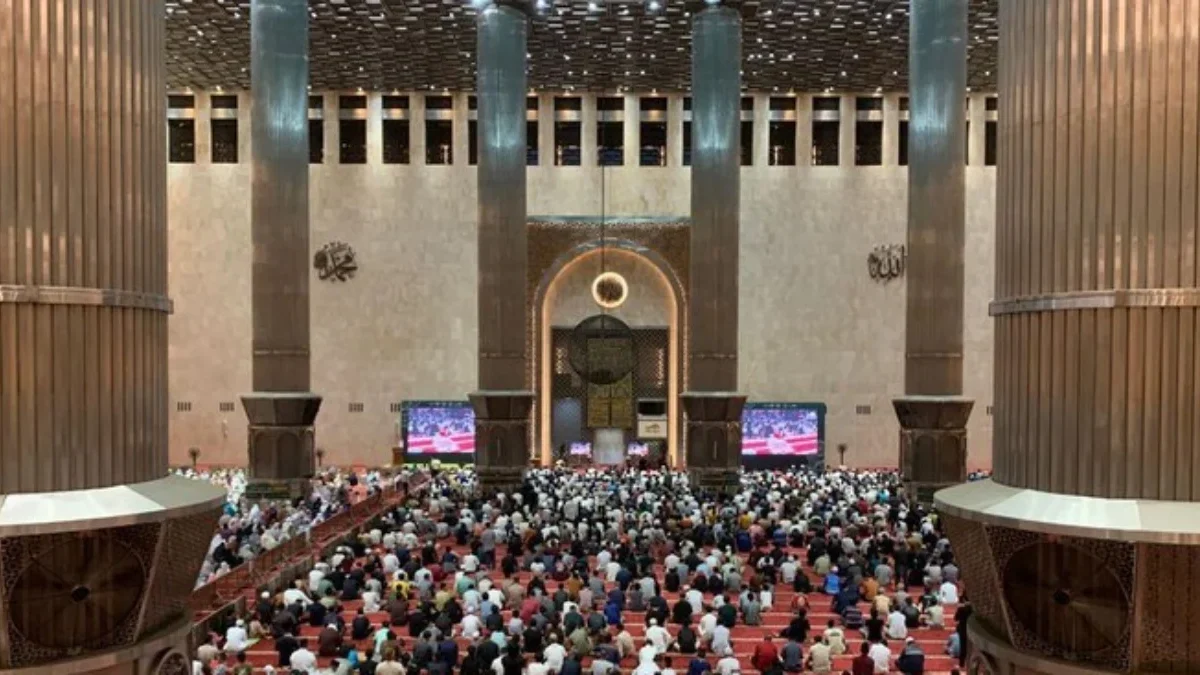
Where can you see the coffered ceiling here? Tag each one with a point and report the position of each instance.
(596, 45)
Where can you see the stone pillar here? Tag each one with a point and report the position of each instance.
(375, 128)
(933, 414)
(891, 130)
(589, 149)
(977, 116)
(244, 113)
(675, 130)
(100, 547)
(710, 405)
(331, 110)
(631, 130)
(804, 112)
(1077, 551)
(761, 143)
(847, 129)
(503, 404)
(202, 124)
(281, 409)
(461, 128)
(416, 129)
(545, 130)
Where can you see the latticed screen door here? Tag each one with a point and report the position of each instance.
(607, 406)
(611, 406)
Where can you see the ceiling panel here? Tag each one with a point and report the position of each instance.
(801, 45)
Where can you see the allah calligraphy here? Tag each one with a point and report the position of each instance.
(886, 262)
(335, 262)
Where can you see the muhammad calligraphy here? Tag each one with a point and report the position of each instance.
(335, 262)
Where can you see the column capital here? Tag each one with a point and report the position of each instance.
(502, 405)
(523, 7)
(697, 7)
(281, 409)
(933, 412)
(713, 406)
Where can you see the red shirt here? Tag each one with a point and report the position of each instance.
(765, 654)
(528, 608)
(437, 572)
(862, 665)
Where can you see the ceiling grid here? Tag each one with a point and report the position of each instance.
(574, 45)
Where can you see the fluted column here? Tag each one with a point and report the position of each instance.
(932, 413)
(1096, 264)
(1096, 491)
(282, 409)
(502, 406)
(83, 273)
(713, 409)
(100, 546)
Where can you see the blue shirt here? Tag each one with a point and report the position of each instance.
(698, 666)
(612, 613)
(833, 583)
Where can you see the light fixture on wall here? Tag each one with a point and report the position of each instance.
(609, 290)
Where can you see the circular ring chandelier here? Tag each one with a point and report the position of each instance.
(610, 290)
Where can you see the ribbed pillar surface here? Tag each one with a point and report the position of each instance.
(502, 237)
(1096, 325)
(933, 358)
(932, 413)
(279, 195)
(502, 406)
(716, 189)
(281, 410)
(83, 307)
(714, 411)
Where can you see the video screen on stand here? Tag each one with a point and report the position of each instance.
(783, 434)
(433, 428)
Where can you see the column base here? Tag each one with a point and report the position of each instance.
(933, 443)
(163, 654)
(282, 445)
(989, 654)
(714, 438)
(144, 543)
(502, 420)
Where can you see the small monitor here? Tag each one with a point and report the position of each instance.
(652, 407)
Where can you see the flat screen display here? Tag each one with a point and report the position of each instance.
(636, 449)
(781, 430)
(582, 449)
(439, 428)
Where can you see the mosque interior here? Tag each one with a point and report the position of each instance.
(931, 236)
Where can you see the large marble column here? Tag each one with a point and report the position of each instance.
(281, 409)
(99, 548)
(932, 413)
(504, 401)
(1079, 553)
(713, 409)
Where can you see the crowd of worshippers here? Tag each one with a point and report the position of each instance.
(247, 529)
(542, 581)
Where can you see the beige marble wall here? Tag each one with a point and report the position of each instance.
(814, 327)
